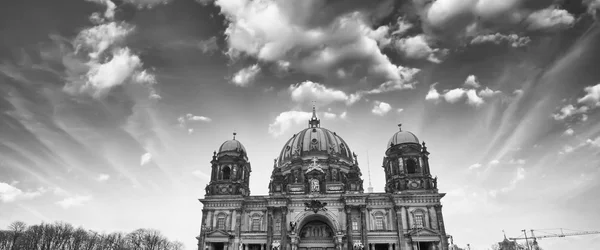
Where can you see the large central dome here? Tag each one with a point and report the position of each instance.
(314, 142)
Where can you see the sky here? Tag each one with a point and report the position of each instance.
(110, 110)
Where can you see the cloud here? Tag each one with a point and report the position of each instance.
(433, 94)
(10, 193)
(100, 60)
(488, 93)
(513, 40)
(494, 162)
(191, 117)
(417, 47)
(185, 121)
(285, 120)
(471, 95)
(145, 159)
(246, 76)
(463, 20)
(381, 108)
(569, 131)
(472, 82)
(475, 166)
(102, 177)
(311, 91)
(74, 201)
(568, 111)
(592, 97)
(314, 37)
(550, 19)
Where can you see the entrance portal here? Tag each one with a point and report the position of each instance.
(316, 235)
(218, 246)
(425, 246)
(381, 246)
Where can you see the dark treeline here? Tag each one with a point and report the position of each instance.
(63, 236)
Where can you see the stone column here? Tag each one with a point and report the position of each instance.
(390, 246)
(245, 246)
(405, 227)
(363, 219)
(434, 221)
(349, 225)
(262, 246)
(440, 217)
(283, 227)
(269, 227)
(400, 225)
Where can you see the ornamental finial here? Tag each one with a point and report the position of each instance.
(314, 122)
(400, 126)
(234, 134)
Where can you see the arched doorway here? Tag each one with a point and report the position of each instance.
(316, 234)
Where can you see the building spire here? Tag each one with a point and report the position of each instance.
(234, 133)
(314, 122)
(400, 126)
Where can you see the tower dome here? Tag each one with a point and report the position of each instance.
(402, 137)
(232, 147)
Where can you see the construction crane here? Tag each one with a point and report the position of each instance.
(550, 235)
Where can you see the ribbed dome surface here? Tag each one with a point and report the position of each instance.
(317, 142)
(232, 146)
(402, 137)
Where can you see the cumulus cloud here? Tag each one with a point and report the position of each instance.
(460, 19)
(469, 93)
(417, 47)
(513, 40)
(592, 97)
(74, 201)
(102, 177)
(311, 91)
(285, 120)
(550, 19)
(568, 111)
(381, 108)
(145, 159)
(246, 76)
(101, 61)
(10, 193)
(313, 36)
(472, 82)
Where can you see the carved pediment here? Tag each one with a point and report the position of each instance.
(423, 232)
(218, 234)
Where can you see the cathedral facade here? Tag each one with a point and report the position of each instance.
(316, 199)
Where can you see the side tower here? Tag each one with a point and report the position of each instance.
(414, 193)
(406, 165)
(224, 198)
(230, 170)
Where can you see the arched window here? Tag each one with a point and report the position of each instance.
(277, 226)
(379, 221)
(221, 218)
(255, 223)
(226, 173)
(411, 166)
(419, 218)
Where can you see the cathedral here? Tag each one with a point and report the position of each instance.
(316, 199)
